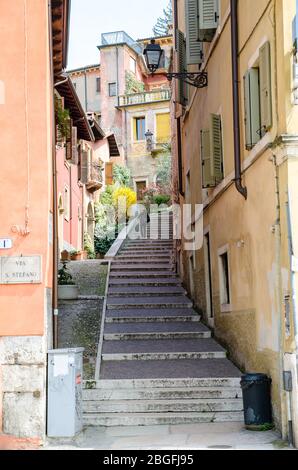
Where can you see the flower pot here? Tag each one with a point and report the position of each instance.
(65, 255)
(68, 292)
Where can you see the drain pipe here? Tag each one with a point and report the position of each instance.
(236, 114)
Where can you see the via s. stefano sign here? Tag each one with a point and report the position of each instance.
(20, 270)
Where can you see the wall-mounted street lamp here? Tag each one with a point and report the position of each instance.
(149, 141)
(153, 54)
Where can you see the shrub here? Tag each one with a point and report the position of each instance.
(129, 194)
(64, 277)
(89, 246)
(161, 199)
(121, 175)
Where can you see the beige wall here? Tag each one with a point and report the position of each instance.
(253, 327)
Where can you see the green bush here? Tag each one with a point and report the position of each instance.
(89, 246)
(64, 277)
(161, 199)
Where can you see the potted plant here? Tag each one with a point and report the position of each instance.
(67, 289)
(78, 255)
(65, 255)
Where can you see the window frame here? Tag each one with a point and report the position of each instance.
(98, 85)
(225, 286)
(135, 128)
(110, 85)
(66, 203)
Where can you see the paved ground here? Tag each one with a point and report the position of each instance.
(184, 437)
(79, 320)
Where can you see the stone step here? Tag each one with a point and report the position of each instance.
(146, 250)
(148, 282)
(157, 328)
(186, 393)
(144, 331)
(145, 267)
(145, 336)
(165, 315)
(145, 253)
(176, 373)
(156, 261)
(143, 274)
(156, 302)
(223, 375)
(151, 419)
(163, 406)
(154, 350)
(142, 291)
(150, 244)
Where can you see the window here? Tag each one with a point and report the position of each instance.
(224, 279)
(98, 84)
(66, 203)
(163, 127)
(112, 89)
(212, 153)
(258, 98)
(132, 65)
(140, 187)
(139, 128)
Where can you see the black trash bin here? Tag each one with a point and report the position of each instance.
(256, 401)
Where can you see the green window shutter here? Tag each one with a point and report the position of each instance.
(265, 87)
(216, 148)
(252, 108)
(207, 179)
(181, 50)
(208, 19)
(194, 52)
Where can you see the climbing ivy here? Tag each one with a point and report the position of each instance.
(132, 85)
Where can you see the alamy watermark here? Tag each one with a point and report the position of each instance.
(155, 223)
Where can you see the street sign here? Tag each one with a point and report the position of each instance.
(5, 243)
(20, 270)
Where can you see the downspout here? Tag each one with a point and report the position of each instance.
(236, 105)
(55, 201)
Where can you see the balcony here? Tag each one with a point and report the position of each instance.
(95, 179)
(144, 97)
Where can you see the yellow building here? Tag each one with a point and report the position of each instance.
(236, 152)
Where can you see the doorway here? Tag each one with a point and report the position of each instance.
(140, 187)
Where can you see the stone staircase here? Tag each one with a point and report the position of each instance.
(160, 364)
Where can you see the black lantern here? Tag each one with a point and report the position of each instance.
(149, 141)
(153, 54)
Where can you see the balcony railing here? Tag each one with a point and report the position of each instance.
(145, 97)
(94, 180)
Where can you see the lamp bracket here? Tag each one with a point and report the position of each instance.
(196, 79)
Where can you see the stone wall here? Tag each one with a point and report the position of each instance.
(22, 386)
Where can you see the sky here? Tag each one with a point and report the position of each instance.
(90, 18)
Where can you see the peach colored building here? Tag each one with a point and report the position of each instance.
(28, 68)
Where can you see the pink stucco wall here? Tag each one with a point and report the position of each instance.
(67, 175)
(25, 175)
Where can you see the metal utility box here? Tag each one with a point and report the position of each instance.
(65, 373)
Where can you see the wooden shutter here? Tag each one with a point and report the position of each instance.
(207, 179)
(74, 147)
(252, 108)
(194, 52)
(265, 87)
(208, 19)
(216, 148)
(85, 167)
(181, 51)
(109, 173)
(69, 140)
(163, 127)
